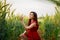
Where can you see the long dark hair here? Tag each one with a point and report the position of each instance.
(35, 18)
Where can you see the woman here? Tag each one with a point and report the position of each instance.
(32, 27)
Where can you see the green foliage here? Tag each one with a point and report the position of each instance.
(49, 28)
(52, 27)
(3, 13)
(10, 26)
(14, 28)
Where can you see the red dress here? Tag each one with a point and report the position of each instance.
(32, 33)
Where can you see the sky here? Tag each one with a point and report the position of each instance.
(41, 7)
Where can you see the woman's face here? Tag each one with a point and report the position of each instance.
(31, 15)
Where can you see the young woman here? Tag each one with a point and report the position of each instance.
(32, 27)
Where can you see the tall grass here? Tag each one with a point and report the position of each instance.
(52, 26)
(3, 13)
(10, 26)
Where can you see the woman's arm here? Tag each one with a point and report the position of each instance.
(23, 34)
(30, 26)
(25, 26)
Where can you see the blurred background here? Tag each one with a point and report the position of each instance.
(48, 12)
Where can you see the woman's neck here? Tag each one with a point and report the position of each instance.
(32, 20)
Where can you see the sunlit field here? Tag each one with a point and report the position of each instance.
(48, 19)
